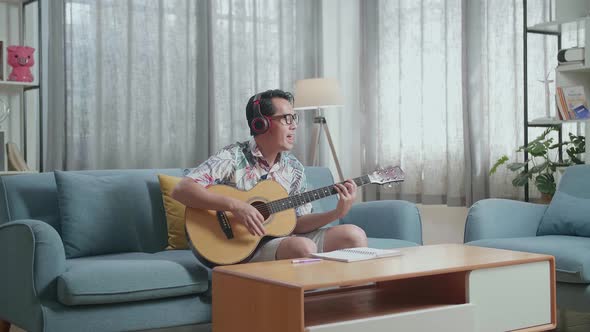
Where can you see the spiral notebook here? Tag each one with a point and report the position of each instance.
(357, 254)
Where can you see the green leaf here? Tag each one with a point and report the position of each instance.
(537, 149)
(573, 153)
(548, 142)
(498, 163)
(546, 183)
(515, 166)
(538, 140)
(520, 180)
(579, 142)
(576, 160)
(538, 168)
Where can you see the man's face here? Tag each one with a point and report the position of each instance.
(282, 131)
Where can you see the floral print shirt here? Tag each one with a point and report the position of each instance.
(242, 166)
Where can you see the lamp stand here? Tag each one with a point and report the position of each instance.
(319, 124)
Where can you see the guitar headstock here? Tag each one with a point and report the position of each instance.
(387, 175)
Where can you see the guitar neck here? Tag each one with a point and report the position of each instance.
(309, 196)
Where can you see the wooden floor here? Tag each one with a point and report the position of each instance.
(575, 322)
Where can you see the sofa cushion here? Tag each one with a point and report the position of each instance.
(174, 213)
(101, 214)
(566, 215)
(131, 277)
(572, 261)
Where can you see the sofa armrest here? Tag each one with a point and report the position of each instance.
(502, 218)
(387, 219)
(32, 257)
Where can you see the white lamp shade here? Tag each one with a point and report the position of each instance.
(317, 92)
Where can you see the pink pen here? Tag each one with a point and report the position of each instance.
(305, 260)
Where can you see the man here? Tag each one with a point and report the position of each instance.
(272, 123)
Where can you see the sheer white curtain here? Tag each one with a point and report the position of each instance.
(259, 45)
(164, 83)
(414, 98)
(444, 95)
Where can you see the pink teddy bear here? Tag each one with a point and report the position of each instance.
(21, 59)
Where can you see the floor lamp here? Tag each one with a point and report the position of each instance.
(317, 94)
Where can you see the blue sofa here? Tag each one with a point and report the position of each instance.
(560, 229)
(53, 280)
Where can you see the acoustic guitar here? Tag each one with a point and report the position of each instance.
(217, 239)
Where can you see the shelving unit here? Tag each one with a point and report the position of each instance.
(553, 26)
(23, 126)
(567, 11)
(8, 84)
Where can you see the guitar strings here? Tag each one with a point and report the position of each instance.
(270, 206)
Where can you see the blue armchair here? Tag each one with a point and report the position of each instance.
(53, 279)
(561, 229)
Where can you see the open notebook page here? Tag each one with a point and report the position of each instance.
(357, 254)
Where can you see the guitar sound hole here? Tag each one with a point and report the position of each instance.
(260, 206)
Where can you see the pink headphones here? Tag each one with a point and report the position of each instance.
(260, 123)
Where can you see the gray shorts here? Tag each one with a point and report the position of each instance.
(268, 251)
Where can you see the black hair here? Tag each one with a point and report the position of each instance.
(266, 107)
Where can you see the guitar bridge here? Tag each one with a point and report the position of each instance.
(225, 225)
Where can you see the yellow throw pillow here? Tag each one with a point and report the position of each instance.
(174, 213)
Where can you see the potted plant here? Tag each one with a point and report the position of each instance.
(540, 167)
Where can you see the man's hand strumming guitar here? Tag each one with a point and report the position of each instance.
(249, 216)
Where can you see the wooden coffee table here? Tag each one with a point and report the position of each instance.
(449, 287)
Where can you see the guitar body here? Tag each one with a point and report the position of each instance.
(212, 243)
(218, 239)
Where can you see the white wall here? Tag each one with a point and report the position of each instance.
(442, 224)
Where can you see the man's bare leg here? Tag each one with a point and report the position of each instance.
(295, 247)
(344, 236)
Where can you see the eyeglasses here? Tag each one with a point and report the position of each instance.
(287, 119)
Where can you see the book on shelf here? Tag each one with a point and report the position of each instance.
(582, 112)
(571, 55)
(357, 254)
(561, 107)
(572, 103)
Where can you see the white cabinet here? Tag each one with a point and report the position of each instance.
(19, 25)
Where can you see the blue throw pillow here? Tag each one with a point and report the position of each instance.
(100, 214)
(566, 215)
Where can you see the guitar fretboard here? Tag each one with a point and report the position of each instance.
(307, 197)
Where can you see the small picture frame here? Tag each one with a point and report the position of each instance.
(1, 60)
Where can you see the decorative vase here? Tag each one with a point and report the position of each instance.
(21, 59)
